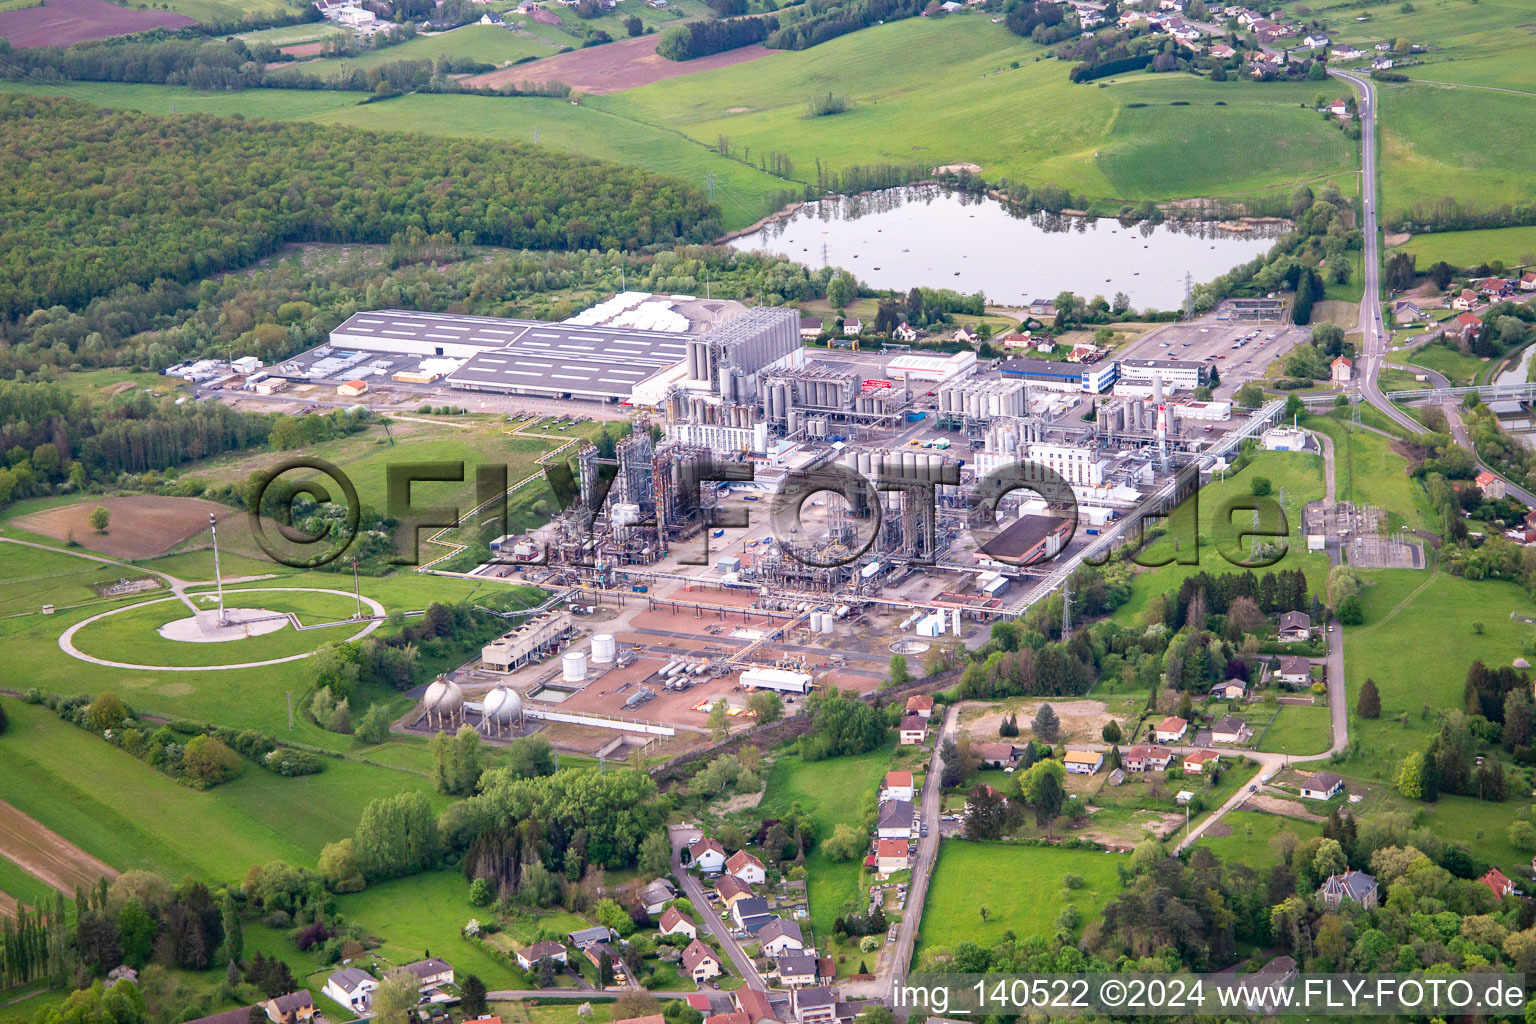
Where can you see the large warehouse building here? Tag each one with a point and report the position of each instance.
(566, 360)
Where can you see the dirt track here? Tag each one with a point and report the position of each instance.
(626, 64)
(62, 22)
(140, 526)
(47, 854)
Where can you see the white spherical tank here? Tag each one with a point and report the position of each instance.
(443, 697)
(603, 649)
(573, 667)
(503, 705)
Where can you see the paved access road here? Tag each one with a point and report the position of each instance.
(681, 836)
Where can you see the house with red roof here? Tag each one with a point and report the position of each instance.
(1492, 486)
(746, 867)
(1498, 883)
(1341, 369)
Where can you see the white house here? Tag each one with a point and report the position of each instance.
(1321, 786)
(1083, 762)
(1294, 671)
(708, 855)
(898, 786)
(913, 729)
(351, 987)
(890, 856)
(852, 328)
(1231, 730)
(1170, 730)
(700, 962)
(895, 820)
(657, 895)
(1341, 369)
(549, 949)
(780, 936)
(1315, 42)
(746, 867)
(904, 332)
(431, 973)
(675, 922)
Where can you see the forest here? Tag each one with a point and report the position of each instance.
(199, 195)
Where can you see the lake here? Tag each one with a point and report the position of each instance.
(924, 235)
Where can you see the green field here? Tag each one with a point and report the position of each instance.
(134, 630)
(1368, 471)
(1298, 474)
(1298, 731)
(1513, 246)
(1248, 836)
(488, 44)
(1417, 642)
(290, 35)
(1458, 368)
(1021, 887)
(225, 12)
(833, 791)
(1082, 137)
(131, 816)
(31, 577)
(1482, 163)
(24, 887)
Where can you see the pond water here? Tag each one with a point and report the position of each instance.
(923, 235)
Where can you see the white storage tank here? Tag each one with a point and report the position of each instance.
(573, 667)
(603, 649)
(826, 622)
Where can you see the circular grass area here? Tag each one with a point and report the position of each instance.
(130, 636)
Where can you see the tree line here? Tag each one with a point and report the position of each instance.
(197, 195)
(701, 38)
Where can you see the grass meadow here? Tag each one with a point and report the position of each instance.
(1513, 246)
(1367, 471)
(488, 44)
(1248, 834)
(1457, 367)
(1021, 887)
(1298, 731)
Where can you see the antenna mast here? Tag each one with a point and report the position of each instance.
(218, 579)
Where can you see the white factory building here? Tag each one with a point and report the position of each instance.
(935, 369)
(1092, 378)
(1078, 466)
(721, 438)
(1284, 439)
(777, 679)
(1138, 376)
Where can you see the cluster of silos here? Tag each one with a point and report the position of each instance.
(822, 622)
(443, 703)
(728, 355)
(501, 711)
(778, 399)
(1138, 419)
(905, 464)
(984, 399)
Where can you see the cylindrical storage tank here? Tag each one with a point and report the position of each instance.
(603, 649)
(573, 667)
(826, 623)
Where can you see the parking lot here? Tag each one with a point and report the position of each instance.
(1217, 341)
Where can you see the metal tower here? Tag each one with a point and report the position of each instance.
(1066, 608)
(218, 579)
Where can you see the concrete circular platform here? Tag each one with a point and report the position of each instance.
(239, 624)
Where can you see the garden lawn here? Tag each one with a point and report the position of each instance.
(1021, 887)
(129, 815)
(1298, 731)
(1418, 640)
(836, 791)
(1251, 831)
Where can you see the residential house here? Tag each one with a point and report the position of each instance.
(810, 329)
(780, 936)
(1146, 759)
(796, 970)
(1170, 730)
(731, 889)
(1295, 671)
(584, 937)
(965, 336)
(1221, 51)
(890, 856)
(1498, 883)
(1232, 689)
(675, 922)
(905, 331)
(994, 755)
(1088, 18)
(1347, 53)
(601, 954)
(752, 908)
(491, 18)
(1467, 326)
(760, 1007)
(1083, 762)
(1528, 281)
(700, 962)
(1231, 731)
(746, 867)
(1294, 626)
(728, 1018)
(1341, 369)
(1355, 886)
(898, 786)
(852, 328)
(431, 973)
(1465, 299)
(1339, 108)
(291, 1008)
(657, 895)
(1194, 764)
(529, 957)
(352, 388)
(1041, 307)
(707, 855)
(1382, 64)
(920, 704)
(650, 1018)
(914, 729)
(351, 987)
(1493, 287)
(1493, 487)
(1316, 41)
(1321, 786)
(896, 817)
(816, 1005)
(1407, 311)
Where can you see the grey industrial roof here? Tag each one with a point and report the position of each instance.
(1161, 364)
(524, 355)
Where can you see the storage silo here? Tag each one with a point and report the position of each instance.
(603, 649)
(573, 667)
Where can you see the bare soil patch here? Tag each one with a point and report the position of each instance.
(140, 526)
(47, 854)
(1082, 721)
(304, 49)
(62, 22)
(626, 64)
(1277, 805)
